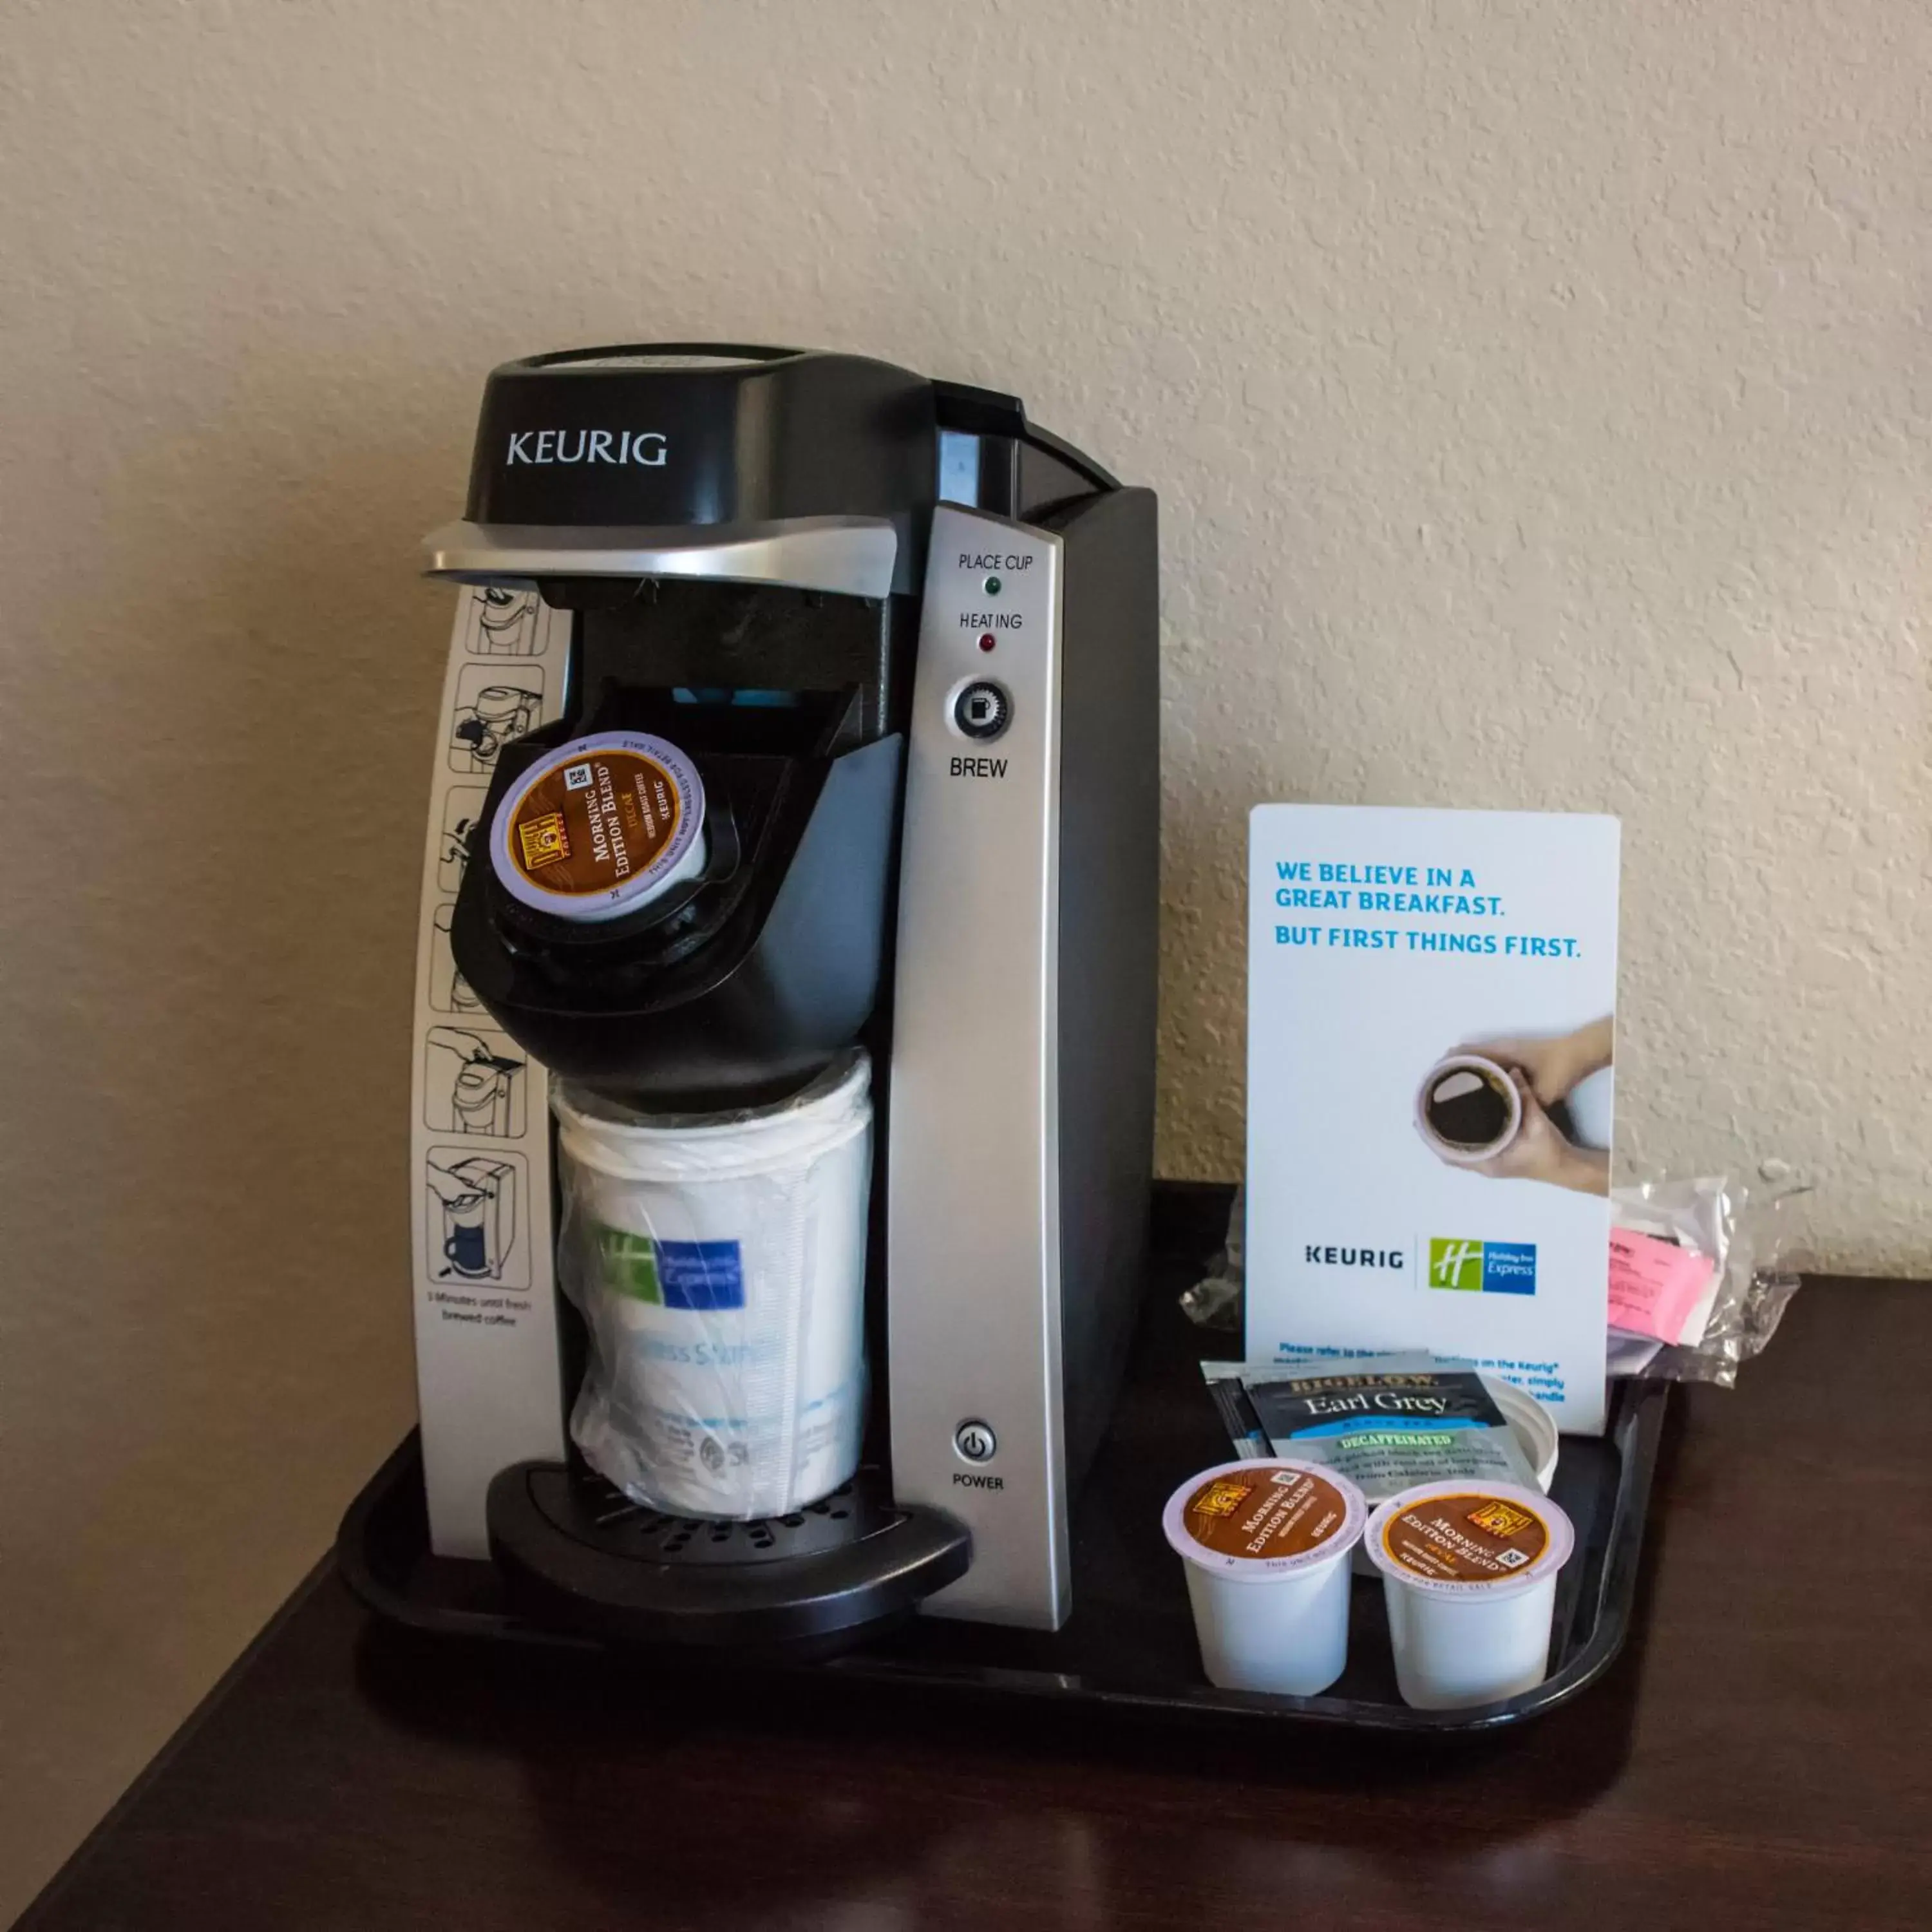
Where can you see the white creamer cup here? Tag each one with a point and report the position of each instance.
(1533, 1425)
(1471, 1631)
(1276, 1622)
(720, 1262)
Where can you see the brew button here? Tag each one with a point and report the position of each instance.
(982, 710)
(975, 1442)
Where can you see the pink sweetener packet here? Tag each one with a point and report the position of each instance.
(1654, 1284)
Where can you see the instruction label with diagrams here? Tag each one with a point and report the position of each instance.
(486, 1366)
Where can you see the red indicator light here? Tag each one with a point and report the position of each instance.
(986, 640)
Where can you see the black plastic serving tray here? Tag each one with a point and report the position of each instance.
(1130, 1643)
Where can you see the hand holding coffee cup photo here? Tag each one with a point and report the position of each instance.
(1554, 1064)
(1468, 1108)
(1484, 1107)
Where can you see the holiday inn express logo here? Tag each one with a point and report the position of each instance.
(1456, 1264)
(1483, 1267)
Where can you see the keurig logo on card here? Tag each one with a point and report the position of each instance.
(647, 447)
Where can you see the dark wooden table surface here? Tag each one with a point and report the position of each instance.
(1761, 1757)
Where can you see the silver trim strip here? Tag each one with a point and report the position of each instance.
(973, 1288)
(850, 557)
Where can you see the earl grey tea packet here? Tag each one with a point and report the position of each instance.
(1385, 1423)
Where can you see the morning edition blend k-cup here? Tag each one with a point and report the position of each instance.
(1469, 1539)
(600, 826)
(1469, 1583)
(1254, 1521)
(1264, 1547)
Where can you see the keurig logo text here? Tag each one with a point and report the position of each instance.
(644, 446)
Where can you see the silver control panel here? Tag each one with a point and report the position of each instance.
(972, 1258)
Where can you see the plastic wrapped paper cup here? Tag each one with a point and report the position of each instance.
(1533, 1425)
(719, 1260)
(1469, 1576)
(1265, 1546)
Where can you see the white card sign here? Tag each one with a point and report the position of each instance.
(1431, 1000)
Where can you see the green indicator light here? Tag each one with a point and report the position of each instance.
(992, 586)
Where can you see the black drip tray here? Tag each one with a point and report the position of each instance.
(598, 1513)
(1130, 1640)
(581, 1556)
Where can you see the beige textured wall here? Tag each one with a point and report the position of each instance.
(1540, 400)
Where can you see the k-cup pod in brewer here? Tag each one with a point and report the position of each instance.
(719, 1262)
(1265, 1547)
(600, 826)
(1467, 1109)
(1469, 1576)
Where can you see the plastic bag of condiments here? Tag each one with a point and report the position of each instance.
(1723, 1247)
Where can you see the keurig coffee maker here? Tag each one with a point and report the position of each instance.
(799, 751)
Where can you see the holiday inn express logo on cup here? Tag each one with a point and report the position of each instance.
(1483, 1267)
(704, 1275)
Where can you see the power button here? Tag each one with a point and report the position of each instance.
(982, 710)
(975, 1441)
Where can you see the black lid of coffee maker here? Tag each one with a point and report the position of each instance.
(658, 434)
